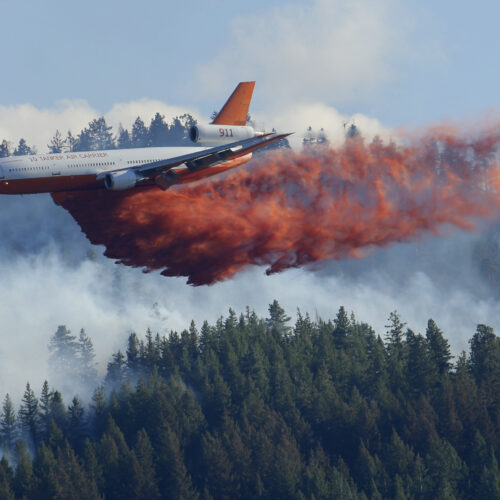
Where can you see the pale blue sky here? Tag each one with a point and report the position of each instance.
(116, 51)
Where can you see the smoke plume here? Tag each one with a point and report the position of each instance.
(291, 210)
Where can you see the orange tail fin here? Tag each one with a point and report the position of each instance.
(235, 111)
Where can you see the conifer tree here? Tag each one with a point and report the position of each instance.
(23, 149)
(57, 410)
(76, 423)
(6, 480)
(420, 370)
(64, 362)
(57, 143)
(97, 136)
(86, 357)
(158, 131)
(489, 480)
(44, 469)
(395, 350)
(145, 481)
(29, 414)
(133, 355)
(278, 319)
(342, 325)
(484, 354)
(139, 134)
(71, 141)
(71, 478)
(45, 416)
(98, 406)
(8, 422)
(24, 480)
(394, 336)
(4, 149)
(175, 480)
(123, 141)
(220, 475)
(116, 370)
(177, 131)
(439, 347)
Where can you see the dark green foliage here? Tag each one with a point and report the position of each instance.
(96, 136)
(71, 141)
(8, 430)
(439, 347)
(44, 408)
(123, 141)
(86, 367)
(4, 149)
(139, 134)
(57, 414)
(24, 481)
(158, 131)
(485, 355)
(175, 481)
(179, 128)
(6, 480)
(29, 415)
(76, 423)
(57, 143)
(253, 408)
(342, 325)
(116, 370)
(277, 318)
(23, 149)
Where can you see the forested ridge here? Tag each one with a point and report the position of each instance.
(98, 135)
(253, 407)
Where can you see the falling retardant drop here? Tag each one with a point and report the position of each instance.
(286, 210)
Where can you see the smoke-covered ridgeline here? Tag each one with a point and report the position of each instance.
(41, 289)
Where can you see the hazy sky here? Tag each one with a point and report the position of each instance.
(388, 63)
(420, 60)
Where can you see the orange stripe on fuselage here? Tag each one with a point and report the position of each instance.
(52, 184)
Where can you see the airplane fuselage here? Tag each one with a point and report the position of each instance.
(48, 173)
(232, 144)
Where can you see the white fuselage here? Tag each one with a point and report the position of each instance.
(75, 170)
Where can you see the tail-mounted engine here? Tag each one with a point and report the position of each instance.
(213, 135)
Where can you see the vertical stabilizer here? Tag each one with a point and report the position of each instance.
(235, 111)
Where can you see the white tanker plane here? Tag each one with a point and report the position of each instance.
(227, 143)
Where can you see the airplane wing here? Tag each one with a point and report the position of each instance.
(201, 159)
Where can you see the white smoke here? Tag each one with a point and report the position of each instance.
(297, 117)
(51, 275)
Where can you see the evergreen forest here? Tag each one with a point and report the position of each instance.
(253, 407)
(98, 135)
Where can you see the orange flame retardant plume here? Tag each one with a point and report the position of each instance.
(289, 210)
(235, 111)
